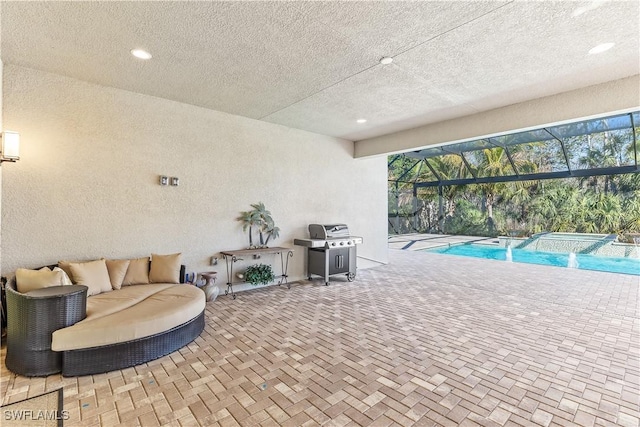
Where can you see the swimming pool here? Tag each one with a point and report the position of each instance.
(585, 262)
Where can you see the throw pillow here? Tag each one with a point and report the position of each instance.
(64, 265)
(165, 268)
(93, 274)
(137, 273)
(117, 270)
(30, 280)
(66, 281)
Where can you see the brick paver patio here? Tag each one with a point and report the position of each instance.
(426, 340)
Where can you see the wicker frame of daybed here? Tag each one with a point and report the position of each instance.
(30, 323)
(97, 360)
(31, 357)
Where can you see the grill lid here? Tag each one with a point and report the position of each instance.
(328, 231)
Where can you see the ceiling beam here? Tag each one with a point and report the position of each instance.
(618, 96)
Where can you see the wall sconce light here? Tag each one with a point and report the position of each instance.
(164, 180)
(10, 147)
(175, 181)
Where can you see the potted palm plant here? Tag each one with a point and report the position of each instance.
(260, 218)
(249, 220)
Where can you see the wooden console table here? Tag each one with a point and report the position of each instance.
(231, 257)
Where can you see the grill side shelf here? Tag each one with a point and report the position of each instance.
(310, 243)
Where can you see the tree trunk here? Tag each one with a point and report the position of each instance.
(489, 203)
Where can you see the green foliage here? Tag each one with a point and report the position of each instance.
(260, 218)
(596, 204)
(259, 274)
(467, 220)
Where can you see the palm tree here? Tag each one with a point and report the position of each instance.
(494, 162)
(272, 231)
(607, 212)
(518, 194)
(264, 217)
(261, 218)
(630, 222)
(248, 219)
(450, 167)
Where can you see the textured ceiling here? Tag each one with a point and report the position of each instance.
(314, 65)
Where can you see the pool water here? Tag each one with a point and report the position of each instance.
(585, 261)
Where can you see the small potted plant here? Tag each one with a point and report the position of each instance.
(259, 274)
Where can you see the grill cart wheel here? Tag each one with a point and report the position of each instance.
(351, 277)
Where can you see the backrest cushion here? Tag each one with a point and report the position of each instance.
(66, 281)
(30, 280)
(165, 268)
(137, 273)
(93, 274)
(64, 265)
(117, 271)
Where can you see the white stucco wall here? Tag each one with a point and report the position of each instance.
(87, 182)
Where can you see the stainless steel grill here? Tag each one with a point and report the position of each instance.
(330, 250)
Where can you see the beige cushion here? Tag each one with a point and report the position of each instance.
(117, 270)
(128, 296)
(165, 268)
(66, 281)
(64, 265)
(30, 280)
(137, 273)
(92, 274)
(159, 312)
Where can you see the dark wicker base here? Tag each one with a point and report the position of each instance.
(33, 363)
(32, 320)
(97, 360)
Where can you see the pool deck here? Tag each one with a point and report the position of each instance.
(417, 242)
(425, 340)
(420, 241)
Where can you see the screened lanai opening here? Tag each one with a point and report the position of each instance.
(576, 177)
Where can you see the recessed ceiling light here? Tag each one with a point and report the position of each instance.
(139, 53)
(591, 6)
(603, 47)
(579, 11)
(386, 60)
(361, 121)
